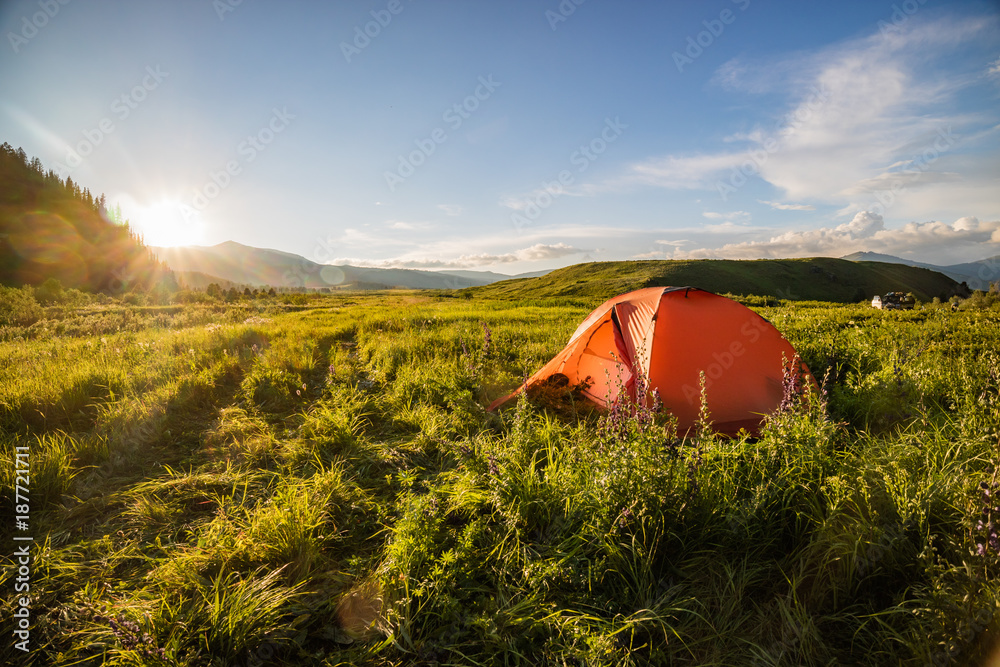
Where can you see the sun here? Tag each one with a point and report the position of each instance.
(168, 223)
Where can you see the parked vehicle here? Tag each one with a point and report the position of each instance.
(894, 301)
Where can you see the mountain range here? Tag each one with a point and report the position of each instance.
(234, 264)
(230, 263)
(977, 275)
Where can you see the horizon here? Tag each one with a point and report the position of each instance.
(991, 260)
(519, 139)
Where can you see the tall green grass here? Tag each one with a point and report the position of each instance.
(326, 487)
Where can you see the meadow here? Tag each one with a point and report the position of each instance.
(257, 484)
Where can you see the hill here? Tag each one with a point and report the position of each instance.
(813, 279)
(51, 228)
(200, 281)
(246, 265)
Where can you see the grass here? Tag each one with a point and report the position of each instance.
(214, 486)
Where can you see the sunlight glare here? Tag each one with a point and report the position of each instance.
(169, 223)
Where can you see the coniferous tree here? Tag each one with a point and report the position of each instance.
(51, 228)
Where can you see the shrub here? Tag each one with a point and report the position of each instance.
(191, 296)
(980, 300)
(18, 307)
(50, 293)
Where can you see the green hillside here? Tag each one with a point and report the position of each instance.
(51, 228)
(812, 279)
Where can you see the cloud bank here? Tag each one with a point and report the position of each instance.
(867, 232)
(534, 253)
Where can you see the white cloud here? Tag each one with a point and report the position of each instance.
(408, 225)
(728, 227)
(787, 207)
(450, 209)
(680, 172)
(733, 217)
(853, 108)
(652, 254)
(356, 237)
(534, 253)
(994, 67)
(938, 242)
(863, 225)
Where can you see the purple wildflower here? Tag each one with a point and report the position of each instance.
(132, 638)
(487, 339)
(657, 402)
(988, 524)
(792, 386)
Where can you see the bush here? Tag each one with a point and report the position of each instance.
(50, 293)
(18, 307)
(980, 300)
(135, 298)
(192, 296)
(74, 297)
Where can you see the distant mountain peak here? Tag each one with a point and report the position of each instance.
(977, 275)
(866, 256)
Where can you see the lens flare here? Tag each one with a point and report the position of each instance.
(168, 223)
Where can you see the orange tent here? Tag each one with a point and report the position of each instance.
(671, 335)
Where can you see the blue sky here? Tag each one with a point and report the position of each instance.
(521, 135)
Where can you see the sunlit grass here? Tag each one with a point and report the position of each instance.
(326, 487)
